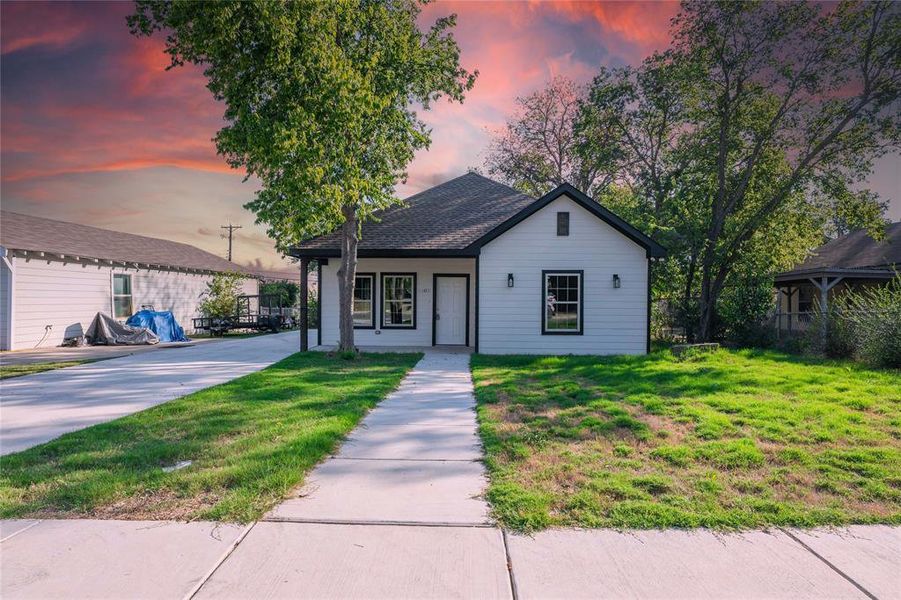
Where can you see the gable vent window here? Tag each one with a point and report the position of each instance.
(562, 223)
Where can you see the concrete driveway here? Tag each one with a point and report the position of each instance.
(38, 408)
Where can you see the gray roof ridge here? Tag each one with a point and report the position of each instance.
(105, 230)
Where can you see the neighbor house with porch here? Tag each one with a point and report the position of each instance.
(475, 263)
(850, 261)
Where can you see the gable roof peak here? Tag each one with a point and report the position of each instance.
(457, 217)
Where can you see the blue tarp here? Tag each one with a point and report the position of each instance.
(160, 322)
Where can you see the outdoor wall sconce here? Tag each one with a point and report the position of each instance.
(509, 279)
(616, 282)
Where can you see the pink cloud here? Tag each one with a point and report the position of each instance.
(27, 24)
(92, 123)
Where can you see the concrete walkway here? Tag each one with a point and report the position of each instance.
(38, 408)
(397, 513)
(414, 459)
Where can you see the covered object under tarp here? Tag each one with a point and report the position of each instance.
(106, 331)
(160, 322)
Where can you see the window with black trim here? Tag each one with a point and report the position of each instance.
(562, 296)
(399, 300)
(122, 306)
(364, 301)
(562, 223)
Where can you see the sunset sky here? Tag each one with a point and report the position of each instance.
(95, 131)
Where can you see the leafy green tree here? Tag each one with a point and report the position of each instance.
(319, 101)
(285, 291)
(220, 299)
(786, 95)
(757, 114)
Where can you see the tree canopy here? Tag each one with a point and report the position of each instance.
(319, 103)
(744, 141)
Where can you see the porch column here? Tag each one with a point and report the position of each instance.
(304, 304)
(789, 293)
(824, 285)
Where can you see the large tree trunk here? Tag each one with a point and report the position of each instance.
(711, 288)
(687, 319)
(346, 277)
(707, 310)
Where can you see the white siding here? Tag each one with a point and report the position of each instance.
(615, 320)
(424, 268)
(6, 278)
(66, 295)
(177, 292)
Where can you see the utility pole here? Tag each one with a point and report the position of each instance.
(231, 230)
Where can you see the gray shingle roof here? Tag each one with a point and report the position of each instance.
(449, 216)
(856, 250)
(24, 232)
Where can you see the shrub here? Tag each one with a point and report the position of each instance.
(220, 299)
(286, 291)
(840, 340)
(742, 313)
(874, 315)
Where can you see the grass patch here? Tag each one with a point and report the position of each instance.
(251, 441)
(8, 371)
(728, 440)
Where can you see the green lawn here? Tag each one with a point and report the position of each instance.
(7, 371)
(732, 439)
(251, 441)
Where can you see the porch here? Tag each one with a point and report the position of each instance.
(401, 304)
(800, 295)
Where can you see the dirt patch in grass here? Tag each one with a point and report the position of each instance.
(728, 440)
(160, 504)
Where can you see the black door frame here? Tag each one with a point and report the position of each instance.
(435, 277)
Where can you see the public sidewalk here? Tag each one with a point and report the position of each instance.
(398, 513)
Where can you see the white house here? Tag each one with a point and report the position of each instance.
(55, 276)
(475, 263)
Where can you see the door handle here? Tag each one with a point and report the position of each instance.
(437, 317)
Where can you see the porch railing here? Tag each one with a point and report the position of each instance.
(792, 322)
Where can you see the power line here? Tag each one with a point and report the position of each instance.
(231, 230)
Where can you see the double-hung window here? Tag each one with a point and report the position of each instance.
(562, 296)
(122, 306)
(364, 301)
(399, 300)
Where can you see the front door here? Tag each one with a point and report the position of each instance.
(450, 309)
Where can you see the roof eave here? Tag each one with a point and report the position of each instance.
(864, 273)
(314, 253)
(30, 254)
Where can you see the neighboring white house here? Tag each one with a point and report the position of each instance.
(55, 276)
(475, 263)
